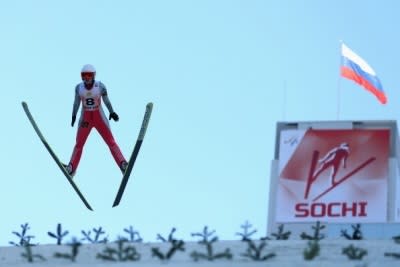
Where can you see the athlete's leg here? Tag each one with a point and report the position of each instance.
(81, 137)
(104, 130)
(335, 168)
(321, 168)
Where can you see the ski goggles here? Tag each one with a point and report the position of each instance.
(87, 75)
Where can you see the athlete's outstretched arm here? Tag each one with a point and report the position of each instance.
(105, 97)
(345, 160)
(77, 102)
(75, 107)
(330, 153)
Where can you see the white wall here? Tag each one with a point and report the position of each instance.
(288, 253)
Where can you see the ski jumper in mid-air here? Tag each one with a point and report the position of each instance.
(90, 92)
(333, 159)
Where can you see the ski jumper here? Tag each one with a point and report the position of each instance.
(92, 115)
(333, 159)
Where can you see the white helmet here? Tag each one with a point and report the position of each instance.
(88, 68)
(88, 74)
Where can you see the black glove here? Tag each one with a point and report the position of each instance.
(73, 120)
(114, 116)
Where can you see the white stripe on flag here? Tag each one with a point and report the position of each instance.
(348, 53)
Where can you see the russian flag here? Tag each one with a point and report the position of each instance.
(355, 68)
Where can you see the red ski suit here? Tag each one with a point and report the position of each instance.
(92, 115)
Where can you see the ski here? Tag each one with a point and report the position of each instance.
(53, 155)
(135, 152)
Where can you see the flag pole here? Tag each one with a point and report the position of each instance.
(339, 84)
(338, 99)
(284, 101)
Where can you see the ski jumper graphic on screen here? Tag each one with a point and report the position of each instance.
(333, 159)
(90, 93)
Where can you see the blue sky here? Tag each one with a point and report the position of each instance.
(221, 74)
